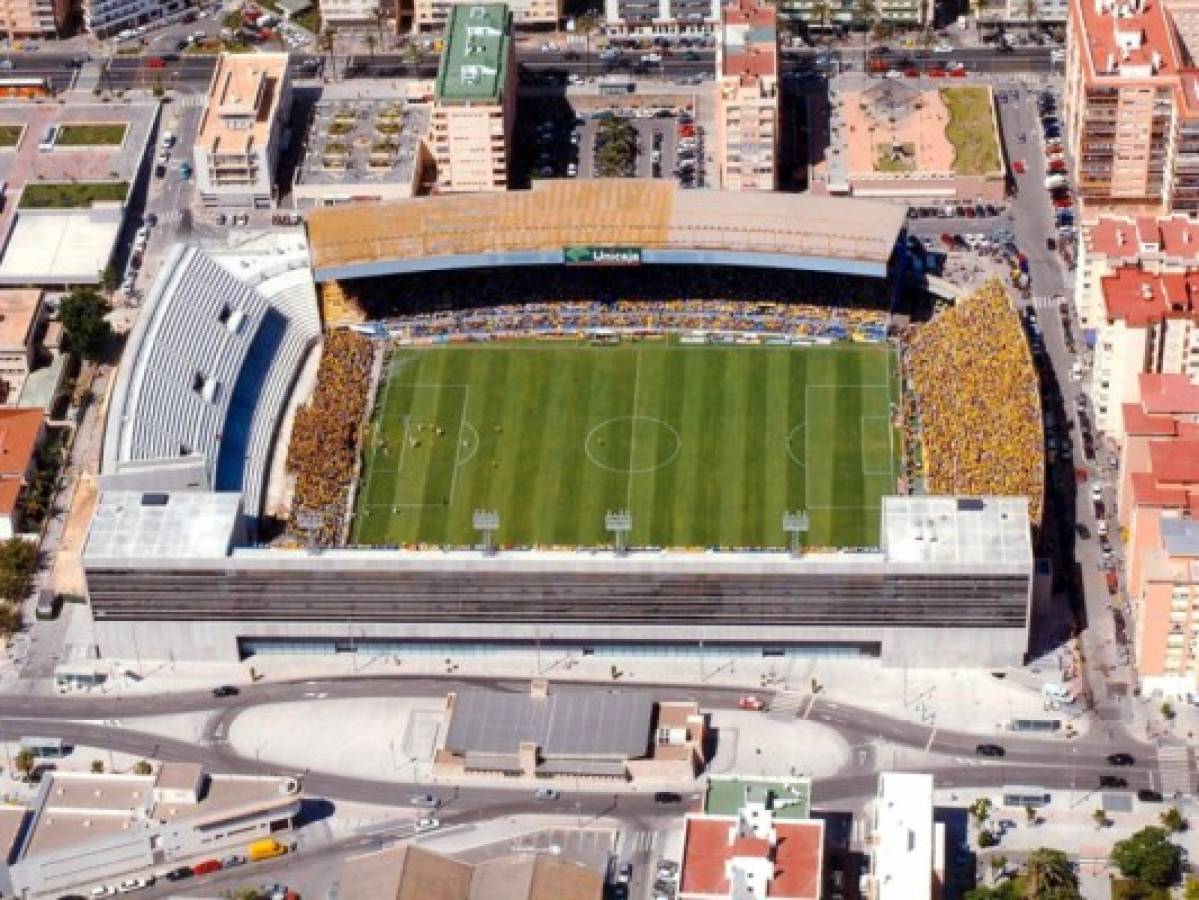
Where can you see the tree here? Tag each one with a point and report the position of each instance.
(371, 43)
(987, 839)
(1049, 876)
(143, 767)
(821, 12)
(1147, 856)
(1167, 711)
(326, 42)
(1131, 889)
(17, 560)
(1006, 891)
(110, 278)
(981, 810)
(233, 20)
(998, 865)
(24, 762)
(1030, 813)
(1173, 821)
(1100, 817)
(1192, 890)
(865, 14)
(97, 767)
(82, 313)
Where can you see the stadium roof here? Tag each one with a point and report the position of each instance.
(476, 51)
(660, 222)
(179, 525)
(956, 530)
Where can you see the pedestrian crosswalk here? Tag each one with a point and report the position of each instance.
(1045, 302)
(642, 841)
(1174, 768)
(786, 705)
(170, 217)
(190, 101)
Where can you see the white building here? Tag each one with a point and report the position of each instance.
(661, 16)
(241, 131)
(104, 18)
(83, 829)
(907, 848)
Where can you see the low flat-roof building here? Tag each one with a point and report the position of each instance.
(892, 139)
(411, 872)
(20, 316)
(753, 838)
(363, 151)
(241, 130)
(571, 733)
(906, 847)
(475, 99)
(22, 432)
(85, 829)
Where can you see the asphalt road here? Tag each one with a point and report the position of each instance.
(1051, 763)
(190, 72)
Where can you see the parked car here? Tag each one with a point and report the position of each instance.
(1145, 795)
(668, 797)
(989, 750)
(207, 867)
(751, 702)
(179, 874)
(1112, 781)
(1121, 759)
(225, 690)
(425, 801)
(546, 794)
(426, 823)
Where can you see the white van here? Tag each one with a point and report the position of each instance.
(48, 139)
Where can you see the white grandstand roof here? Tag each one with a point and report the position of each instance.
(957, 530)
(181, 525)
(209, 365)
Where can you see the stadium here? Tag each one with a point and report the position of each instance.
(610, 417)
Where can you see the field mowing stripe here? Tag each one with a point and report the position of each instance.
(458, 446)
(633, 429)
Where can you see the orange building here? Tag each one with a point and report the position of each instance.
(747, 121)
(1158, 502)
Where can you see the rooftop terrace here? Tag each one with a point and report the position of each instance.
(476, 51)
(363, 142)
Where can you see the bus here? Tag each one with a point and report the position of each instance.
(25, 88)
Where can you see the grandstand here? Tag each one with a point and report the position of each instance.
(634, 221)
(209, 368)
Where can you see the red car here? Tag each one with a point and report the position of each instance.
(1057, 165)
(155, 62)
(947, 240)
(207, 867)
(1062, 203)
(936, 73)
(958, 73)
(751, 702)
(911, 73)
(1019, 167)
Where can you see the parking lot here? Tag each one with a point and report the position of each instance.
(663, 142)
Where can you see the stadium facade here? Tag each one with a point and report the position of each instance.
(950, 586)
(172, 564)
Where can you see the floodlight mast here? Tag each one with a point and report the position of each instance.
(487, 523)
(796, 524)
(620, 524)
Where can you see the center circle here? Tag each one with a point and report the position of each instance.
(620, 445)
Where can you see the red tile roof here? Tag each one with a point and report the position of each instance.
(1138, 423)
(1168, 393)
(797, 857)
(758, 56)
(1142, 298)
(1146, 491)
(19, 433)
(1175, 461)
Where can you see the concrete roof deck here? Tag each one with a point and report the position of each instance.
(187, 524)
(243, 86)
(476, 52)
(366, 240)
(957, 529)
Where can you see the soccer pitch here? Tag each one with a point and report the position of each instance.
(704, 446)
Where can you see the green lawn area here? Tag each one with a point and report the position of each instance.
(884, 160)
(71, 194)
(91, 135)
(705, 446)
(971, 130)
(10, 135)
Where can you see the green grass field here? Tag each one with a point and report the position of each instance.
(705, 446)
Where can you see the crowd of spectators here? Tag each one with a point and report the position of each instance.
(640, 318)
(978, 411)
(325, 439)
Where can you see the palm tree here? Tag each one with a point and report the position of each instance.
(328, 35)
(821, 11)
(865, 13)
(371, 43)
(1049, 875)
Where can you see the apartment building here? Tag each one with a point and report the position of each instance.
(21, 313)
(906, 847)
(1142, 319)
(1158, 503)
(426, 15)
(747, 120)
(897, 13)
(241, 130)
(661, 17)
(1154, 244)
(1131, 109)
(356, 13)
(33, 18)
(474, 100)
(104, 18)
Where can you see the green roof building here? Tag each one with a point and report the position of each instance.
(475, 99)
(788, 798)
(475, 62)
